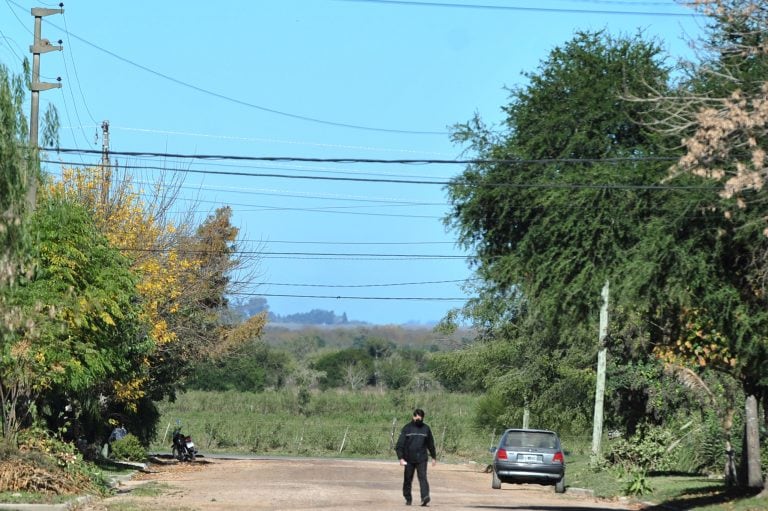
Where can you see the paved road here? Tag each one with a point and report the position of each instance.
(338, 485)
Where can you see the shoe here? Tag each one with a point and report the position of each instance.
(425, 501)
(407, 502)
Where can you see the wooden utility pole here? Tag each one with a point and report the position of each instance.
(38, 47)
(597, 423)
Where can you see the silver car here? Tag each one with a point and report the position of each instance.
(529, 456)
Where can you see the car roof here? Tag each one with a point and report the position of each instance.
(529, 430)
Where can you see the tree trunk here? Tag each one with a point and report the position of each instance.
(752, 473)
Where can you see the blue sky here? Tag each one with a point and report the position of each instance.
(313, 79)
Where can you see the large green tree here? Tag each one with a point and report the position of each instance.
(78, 333)
(556, 210)
(720, 115)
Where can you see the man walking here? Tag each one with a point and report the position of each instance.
(414, 446)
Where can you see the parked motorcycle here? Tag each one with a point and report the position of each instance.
(183, 447)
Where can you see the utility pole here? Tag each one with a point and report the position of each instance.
(597, 422)
(38, 47)
(106, 166)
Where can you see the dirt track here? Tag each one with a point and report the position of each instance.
(340, 485)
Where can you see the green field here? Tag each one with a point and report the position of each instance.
(332, 423)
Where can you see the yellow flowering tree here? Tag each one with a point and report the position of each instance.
(183, 272)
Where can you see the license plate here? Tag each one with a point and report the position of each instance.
(190, 445)
(529, 458)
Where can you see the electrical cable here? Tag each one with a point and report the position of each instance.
(9, 2)
(352, 242)
(272, 140)
(236, 282)
(321, 255)
(564, 186)
(8, 41)
(400, 161)
(272, 193)
(559, 10)
(74, 102)
(339, 297)
(74, 68)
(619, 2)
(235, 100)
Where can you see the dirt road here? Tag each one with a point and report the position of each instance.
(339, 485)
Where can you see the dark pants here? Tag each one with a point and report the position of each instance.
(421, 472)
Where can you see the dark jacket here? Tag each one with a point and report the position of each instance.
(414, 442)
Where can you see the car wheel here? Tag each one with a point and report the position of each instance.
(495, 482)
(560, 485)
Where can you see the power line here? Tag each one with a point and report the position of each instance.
(260, 174)
(9, 2)
(271, 140)
(339, 297)
(274, 193)
(563, 186)
(315, 255)
(72, 95)
(8, 44)
(235, 100)
(74, 68)
(355, 242)
(618, 2)
(354, 285)
(400, 161)
(414, 3)
(335, 211)
(275, 166)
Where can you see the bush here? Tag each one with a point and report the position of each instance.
(649, 450)
(128, 448)
(637, 484)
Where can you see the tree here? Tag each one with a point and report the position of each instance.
(184, 272)
(721, 114)
(548, 233)
(252, 367)
(17, 163)
(335, 366)
(79, 331)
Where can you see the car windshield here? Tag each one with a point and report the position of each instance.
(535, 439)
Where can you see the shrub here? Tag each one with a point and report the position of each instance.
(128, 448)
(637, 484)
(649, 450)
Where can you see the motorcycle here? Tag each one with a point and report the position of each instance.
(183, 447)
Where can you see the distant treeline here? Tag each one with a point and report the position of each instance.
(351, 357)
(257, 305)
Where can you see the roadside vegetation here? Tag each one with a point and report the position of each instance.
(614, 169)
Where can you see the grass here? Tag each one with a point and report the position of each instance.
(151, 489)
(668, 491)
(334, 423)
(131, 505)
(695, 492)
(8, 497)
